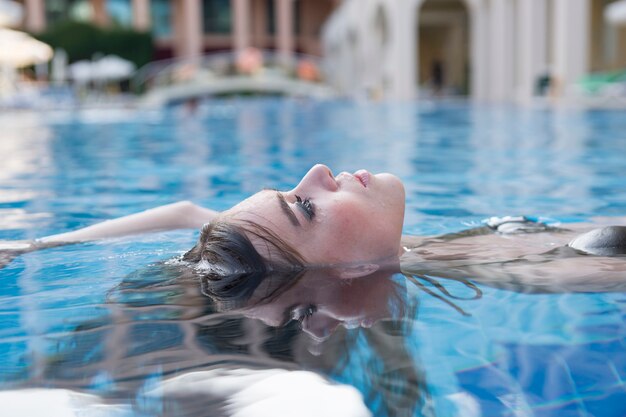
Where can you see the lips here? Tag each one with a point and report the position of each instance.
(363, 176)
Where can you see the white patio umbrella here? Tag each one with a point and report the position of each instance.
(18, 49)
(108, 68)
(82, 71)
(615, 13)
(112, 67)
(11, 13)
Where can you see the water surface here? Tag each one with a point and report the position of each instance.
(98, 317)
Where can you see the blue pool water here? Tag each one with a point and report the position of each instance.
(66, 320)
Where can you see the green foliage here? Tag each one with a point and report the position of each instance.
(82, 40)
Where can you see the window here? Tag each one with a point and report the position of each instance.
(297, 6)
(270, 16)
(216, 16)
(120, 12)
(56, 11)
(60, 10)
(161, 16)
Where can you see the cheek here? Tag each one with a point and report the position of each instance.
(371, 228)
(363, 219)
(339, 235)
(349, 221)
(357, 226)
(354, 230)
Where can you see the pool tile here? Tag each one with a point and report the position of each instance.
(590, 371)
(613, 351)
(570, 409)
(487, 385)
(611, 404)
(540, 372)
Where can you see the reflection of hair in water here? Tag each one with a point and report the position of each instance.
(232, 269)
(418, 279)
(394, 378)
(399, 380)
(394, 382)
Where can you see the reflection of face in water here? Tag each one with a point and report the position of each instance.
(332, 219)
(323, 299)
(161, 326)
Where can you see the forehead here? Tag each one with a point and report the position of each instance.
(262, 208)
(262, 200)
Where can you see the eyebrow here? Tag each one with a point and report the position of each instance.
(287, 210)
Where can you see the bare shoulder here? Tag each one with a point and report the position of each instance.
(548, 261)
(409, 241)
(500, 247)
(607, 221)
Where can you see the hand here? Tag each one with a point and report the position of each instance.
(9, 249)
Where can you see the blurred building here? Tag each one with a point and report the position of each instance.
(187, 28)
(487, 49)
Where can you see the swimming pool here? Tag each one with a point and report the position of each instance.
(65, 321)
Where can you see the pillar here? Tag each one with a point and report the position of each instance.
(479, 50)
(100, 15)
(498, 52)
(456, 54)
(141, 15)
(501, 53)
(284, 20)
(404, 53)
(526, 45)
(190, 29)
(560, 41)
(571, 37)
(241, 24)
(540, 29)
(258, 24)
(510, 59)
(580, 32)
(178, 35)
(35, 15)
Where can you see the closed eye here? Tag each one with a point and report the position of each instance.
(305, 206)
(308, 209)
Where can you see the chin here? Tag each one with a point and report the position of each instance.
(391, 191)
(393, 188)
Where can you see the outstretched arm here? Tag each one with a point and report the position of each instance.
(181, 215)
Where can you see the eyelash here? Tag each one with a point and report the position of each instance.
(307, 206)
(299, 314)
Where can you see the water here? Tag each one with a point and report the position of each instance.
(98, 318)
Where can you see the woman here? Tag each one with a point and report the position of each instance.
(355, 221)
(258, 250)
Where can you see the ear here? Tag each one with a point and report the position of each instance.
(357, 271)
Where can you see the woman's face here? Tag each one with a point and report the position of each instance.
(329, 219)
(321, 302)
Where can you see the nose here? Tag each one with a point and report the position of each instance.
(320, 326)
(318, 177)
